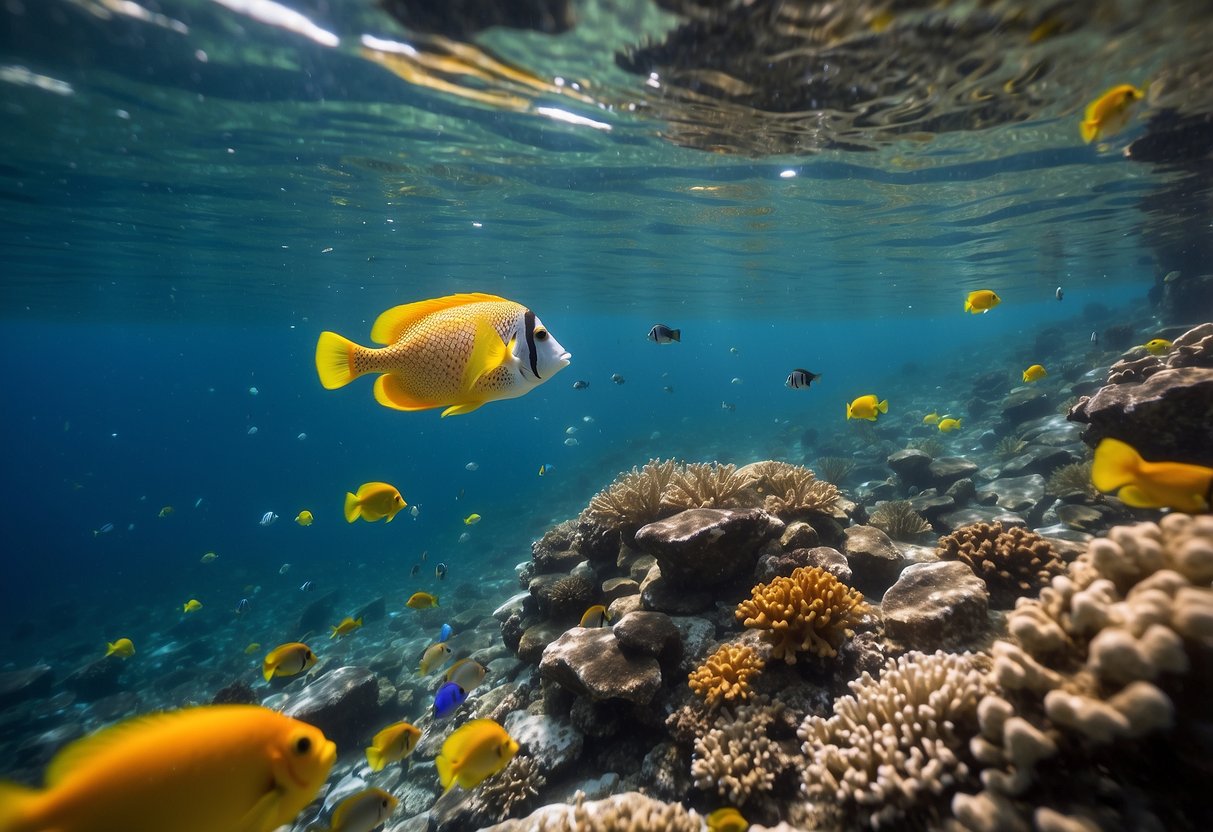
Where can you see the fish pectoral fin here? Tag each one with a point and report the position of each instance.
(1133, 496)
(264, 814)
(488, 353)
(391, 324)
(460, 409)
(390, 392)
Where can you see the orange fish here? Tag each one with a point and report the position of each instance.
(204, 769)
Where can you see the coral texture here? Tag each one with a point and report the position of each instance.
(835, 469)
(1009, 447)
(569, 597)
(899, 520)
(499, 796)
(811, 610)
(634, 498)
(1074, 478)
(929, 445)
(627, 812)
(896, 744)
(703, 485)
(725, 675)
(787, 489)
(738, 760)
(1012, 562)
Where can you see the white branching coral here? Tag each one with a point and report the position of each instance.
(737, 759)
(897, 742)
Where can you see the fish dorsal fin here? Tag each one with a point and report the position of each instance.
(391, 324)
(82, 750)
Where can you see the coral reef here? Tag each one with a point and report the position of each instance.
(810, 611)
(929, 445)
(738, 759)
(725, 675)
(703, 485)
(1072, 479)
(627, 812)
(512, 789)
(835, 469)
(897, 745)
(634, 498)
(569, 597)
(788, 489)
(1112, 652)
(1012, 562)
(1009, 447)
(899, 520)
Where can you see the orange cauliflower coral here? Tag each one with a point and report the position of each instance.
(726, 674)
(809, 611)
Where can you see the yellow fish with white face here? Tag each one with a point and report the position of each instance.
(456, 352)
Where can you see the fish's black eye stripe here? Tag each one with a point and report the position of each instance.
(529, 326)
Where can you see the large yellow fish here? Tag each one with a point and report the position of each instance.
(931, 418)
(1109, 114)
(867, 407)
(474, 751)
(982, 300)
(1034, 373)
(1118, 467)
(288, 659)
(393, 743)
(374, 501)
(727, 819)
(204, 769)
(457, 352)
(192, 605)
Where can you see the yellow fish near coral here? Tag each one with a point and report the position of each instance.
(982, 300)
(595, 616)
(374, 501)
(288, 659)
(456, 352)
(931, 418)
(474, 751)
(948, 425)
(867, 407)
(393, 743)
(304, 518)
(1179, 485)
(1034, 373)
(1157, 346)
(347, 626)
(209, 557)
(433, 656)
(421, 601)
(727, 819)
(1110, 113)
(123, 648)
(363, 811)
(192, 605)
(204, 769)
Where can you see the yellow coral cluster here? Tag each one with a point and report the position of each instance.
(725, 675)
(809, 611)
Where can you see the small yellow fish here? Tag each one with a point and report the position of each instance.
(1158, 346)
(252, 648)
(595, 616)
(374, 501)
(471, 520)
(456, 352)
(949, 424)
(165, 512)
(433, 656)
(1184, 487)
(727, 819)
(867, 407)
(474, 751)
(421, 601)
(1109, 114)
(202, 769)
(393, 743)
(288, 659)
(982, 300)
(931, 418)
(192, 605)
(209, 557)
(466, 673)
(123, 648)
(304, 518)
(363, 811)
(347, 626)
(1034, 373)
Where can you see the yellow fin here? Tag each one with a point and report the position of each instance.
(389, 392)
(1133, 496)
(488, 353)
(391, 324)
(1116, 464)
(374, 758)
(460, 409)
(82, 750)
(263, 814)
(1088, 129)
(353, 509)
(15, 803)
(335, 360)
(883, 406)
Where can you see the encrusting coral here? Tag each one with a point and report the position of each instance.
(725, 675)
(738, 759)
(811, 610)
(897, 744)
(1012, 562)
(787, 489)
(899, 520)
(1100, 659)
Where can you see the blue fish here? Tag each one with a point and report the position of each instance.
(448, 699)
(445, 632)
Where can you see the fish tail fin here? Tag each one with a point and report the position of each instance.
(358, 621)
(1116, 464)
(334, 634)
(1088, 129)
(110, 649)
(267, 670)
(335, 360)
(353, 510)
(847, 406)
(374, 758)
(15, 805)
(968, 305)
(676, 334)
(883, 406)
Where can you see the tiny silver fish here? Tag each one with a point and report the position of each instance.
(1059, 293)
(580, 385)
(1094, 337)
(1171, 277)
(307, 586)
(727, 406)
(243, 606)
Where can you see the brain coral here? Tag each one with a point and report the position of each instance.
(1012, 562)
(811, 610)
(725, 675)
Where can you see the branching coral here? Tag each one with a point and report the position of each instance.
(898, 742)
(811, 610)
(703, 485)
(627, 812)
(835, 469)
(634, 498)
(1009, 447)
(787, 489)
(738, 759)
(725, 675)
(929, 445)
(499, 796)
(1012, 562)
(899, 520)
(1074, 478)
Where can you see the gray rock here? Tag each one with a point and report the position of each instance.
(930, 503)
(1080, 517)
(1024, 403)
(620, 607)
(962, 491)
(650, 634)
(640, 566)
(591, 662)
(537, 637)
(1038, 459)
(698, 637)
(948, 469)
(554, 743)
(613, 588)
(1018, 494)
(1053, 430)
(523, 603)
(705, 547)
(343, 703)
(911, 465)
(658, 593)
(799, 535)
(374, 611)
(784, 564)
(666, 772)
(37, 751)
(97, 679)
(936, 605)
(28, 683)
(874, 560)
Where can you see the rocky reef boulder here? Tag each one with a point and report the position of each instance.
(343, 703)
(27, 683)
(874, 560)
(704, 547)
(591, 662)
(551, 741)
(935, 605)
(911, 465)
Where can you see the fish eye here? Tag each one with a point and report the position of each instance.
(303, 745)
(541, 334)
(383, 803)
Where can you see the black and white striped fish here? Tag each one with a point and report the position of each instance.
(662, 334)
(801, 378)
